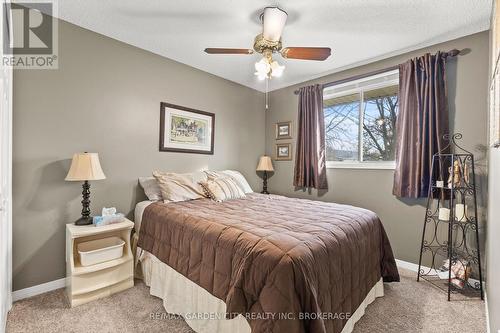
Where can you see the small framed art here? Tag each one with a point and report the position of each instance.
(283, 152)
(186, 130)
(284, 130)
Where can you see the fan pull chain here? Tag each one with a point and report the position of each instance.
(267, 95)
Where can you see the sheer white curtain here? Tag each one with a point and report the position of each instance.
(5, 183)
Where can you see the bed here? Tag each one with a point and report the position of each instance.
(264, 263)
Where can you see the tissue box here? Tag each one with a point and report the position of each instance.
(109, 219)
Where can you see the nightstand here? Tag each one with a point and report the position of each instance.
(88, 283)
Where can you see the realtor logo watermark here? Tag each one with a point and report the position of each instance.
(29, 35)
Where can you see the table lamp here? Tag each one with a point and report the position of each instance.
(265, 164)
(85, 167)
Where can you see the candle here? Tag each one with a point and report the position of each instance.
(460, 212)
(444, 214)
(439, 183)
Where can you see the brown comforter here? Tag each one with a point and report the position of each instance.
(288, 265)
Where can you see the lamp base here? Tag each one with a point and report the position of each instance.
(84, 220)
(264, 184)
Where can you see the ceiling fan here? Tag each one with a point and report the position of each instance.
(269, 42)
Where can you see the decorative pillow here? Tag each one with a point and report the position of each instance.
(235, 175)
(212, 175)
(178, 187)
(198, 176)
(222, 189)
(240, 180)
(151, 188)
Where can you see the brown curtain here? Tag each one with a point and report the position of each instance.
(422, 122)
(310, 164)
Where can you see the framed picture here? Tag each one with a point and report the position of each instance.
(283, 152)
(186, 130)
(284, 130)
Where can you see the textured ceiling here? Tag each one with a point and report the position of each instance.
(358, 31)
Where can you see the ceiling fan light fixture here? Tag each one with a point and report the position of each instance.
(273, 20)
(277, 69)
(266, 67)
(262, 66)
(268, 43)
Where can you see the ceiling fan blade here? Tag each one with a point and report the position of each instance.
(306, 53)
(273, 21)
(216, 50)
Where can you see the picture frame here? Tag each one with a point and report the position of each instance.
(283, 130)
(283, 152)
(186, 130)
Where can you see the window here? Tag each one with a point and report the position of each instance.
(360, 122)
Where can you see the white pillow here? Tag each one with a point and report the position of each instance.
(237, 176)
(151, 188)
(240, 179)
(199, 176)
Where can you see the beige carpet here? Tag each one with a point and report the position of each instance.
(406, 307)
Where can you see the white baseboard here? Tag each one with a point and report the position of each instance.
(61, 283)
(407, 265)
(488, 329)
(38, 289)
(414, 268)
(411, 266)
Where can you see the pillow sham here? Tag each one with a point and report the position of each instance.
(178, 187)
(237, 177)
(151, 188)
(198, 176)
(222, 189)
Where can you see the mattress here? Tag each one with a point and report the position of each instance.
(138, 211)
(278, 261)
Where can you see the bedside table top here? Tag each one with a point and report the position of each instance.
(87, 230)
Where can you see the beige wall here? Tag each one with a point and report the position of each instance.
(467, 81)
(105, 97)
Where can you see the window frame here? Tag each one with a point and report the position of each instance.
(360, 164)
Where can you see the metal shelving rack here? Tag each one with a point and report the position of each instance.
(450, 238)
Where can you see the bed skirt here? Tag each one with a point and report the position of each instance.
(204, 312)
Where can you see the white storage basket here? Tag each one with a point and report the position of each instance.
(100, 250)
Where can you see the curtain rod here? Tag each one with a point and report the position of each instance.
(451, 53)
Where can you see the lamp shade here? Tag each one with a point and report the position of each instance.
(265, 164)
(273, 20)
(85, 166)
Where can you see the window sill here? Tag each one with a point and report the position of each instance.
(362, 165)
